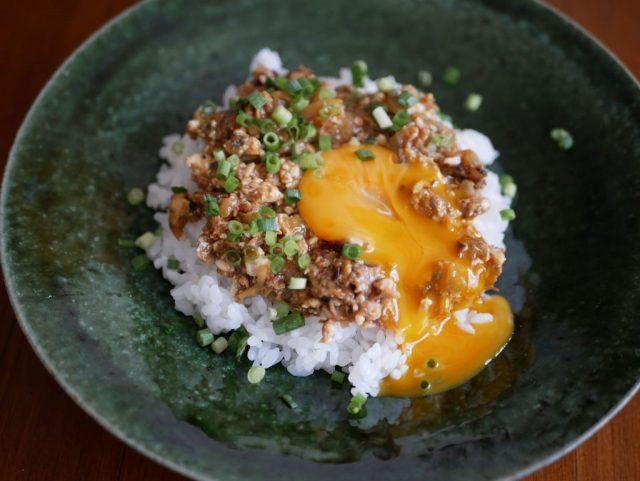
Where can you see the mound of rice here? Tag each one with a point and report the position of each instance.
(367, 355)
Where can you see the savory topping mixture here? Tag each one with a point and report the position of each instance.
(356, 207)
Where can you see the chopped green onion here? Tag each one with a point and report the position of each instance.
(257, 100)
(473, 102)
(271, 141)
(238, 341)
(563, 138)
(365, 154)
(425, 78)
(252, 252)
(126, 242)
(219, 155)
(452, 75)
(233, 257)
(329, 110)
(293, 86)
(441, 140)
(385, 84)
(145, 241)
(356, 404)
(231, 184)
(252, 230)
(235, 227)
(292, 196)
(204, 337)
(197, 318)
(266, 125)
(267, 212)
(272, 161)
(256, 374)
(337, 377)
(508, 214)
(509, 187)
(224, 169)
(173, 264)
(299, 103)
(270, 238)
(140, 262)
(177, 148)
(266, 225)
(303, 261)
(406, 99)
(219, 345)
(282, 308)
(276, 263)
(324, 141)
(242, 118)
(288, 400)
(310, 161)
(359, 72)
(234, 160)
(279, 82)
(326, 93)
(277, 249)
(179, 190)
(213, 208)
(308, 131)
(281, 115)
(382, 118)
(288, 323)
(297, 283)
(290, 248)
(351, 251)
(294, 132)
(400, 119)
(135, 196)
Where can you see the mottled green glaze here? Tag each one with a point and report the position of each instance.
(112, 339)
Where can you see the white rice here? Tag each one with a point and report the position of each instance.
(367, 355)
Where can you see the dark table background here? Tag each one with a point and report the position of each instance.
(43, 434)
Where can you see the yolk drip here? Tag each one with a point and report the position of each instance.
(369, 202)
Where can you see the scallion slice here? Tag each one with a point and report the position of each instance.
(140, 262)
(238, 341)
(256, 374)
(282, 308)
(351, 251)
(292, 196)
(326, 93)
(204, 337)
(563, 138)
(219, 345)
(290, 248)
(135, 196)
(272, 162)
(406, 99)
(400, 119)
(299, 103)
(224, 169)
(266, 225)
(276, 263)
(281, 115)
(297, 283)
(382, 118)
(356, 404)
(173, 264)
(324, 141)
(213, 208)
(231, 184)
(365, 154)
(242, 118)
(385, 84)
(310, 161)
(507, 214)
(509, 187)
(288, 323)
(473, 102)
(257, 100)
(359, 71)
(271, 141)
(294, 86)
(270, 238)
(452, 75)
(337, 377)
(197, 318)
(303, 261)
(288, 400)
(308, 131)
(219, 155)
(252, 252)
(145, 241)
(233, 257)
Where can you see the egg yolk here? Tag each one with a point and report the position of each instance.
(369, 202)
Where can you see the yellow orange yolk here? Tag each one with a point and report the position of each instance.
(350, 200)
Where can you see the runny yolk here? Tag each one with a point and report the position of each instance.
(369, 202)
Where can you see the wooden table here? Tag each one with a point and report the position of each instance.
(43, 434)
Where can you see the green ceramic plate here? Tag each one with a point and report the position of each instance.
(113, 341)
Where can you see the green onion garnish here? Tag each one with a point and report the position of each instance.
(288, 400)
(563, 138)
(173, 264)
(251, 252)
(385, 84)
(267, 212)
(303, 261)
(441, 140)
(400, 119)
(140, 262)
(329, 111)
(270, 238)
(177, 148)
(282, 308)
(310, 161)
(324, 141)
(271, 141)
(425, 78)
(294, 86)
(135, 196)
(277, 249)
(235, 227)
(276, 263)
(326, 93)
(219, 345)
(297, 283)
(256, 374)
(359, 71)
(281, 115)
(242, 118)
(365, 154)
(288, 323)
(308, 131)
(231, 184)
(406, 99)
(213, 208)
(204, 337)
(279, 82)
(126, 243)
(473, 102)
(337, 377)
(299, 103)
(197, 318)
(234, 160)
(508, 214)
(351, 251)
(509, 187)
(238, 341)
(224, 169)
(266, 225)
(233, 257)
(382, 118)
(145, 241)
(219, 155)
(290, 248)
(452, 75)
(257, 100)
(272, 161)
(356, 404)
(292, 196)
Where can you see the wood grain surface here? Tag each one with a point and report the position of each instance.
(43, 434)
